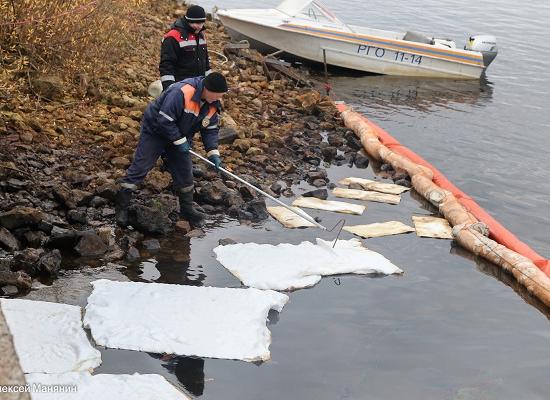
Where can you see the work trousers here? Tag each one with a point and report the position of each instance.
(150, 147)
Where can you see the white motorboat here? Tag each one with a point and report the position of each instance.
(309, 30)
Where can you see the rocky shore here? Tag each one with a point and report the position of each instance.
(60, 158)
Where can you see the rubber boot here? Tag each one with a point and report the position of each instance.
(187, 212)
(122, 202)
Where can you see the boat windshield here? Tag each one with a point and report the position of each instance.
(311, 11)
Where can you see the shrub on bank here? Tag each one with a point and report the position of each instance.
(68, 38)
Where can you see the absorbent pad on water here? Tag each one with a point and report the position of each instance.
(287, 266)
(49, 337)
(183, 320)
(104, 387)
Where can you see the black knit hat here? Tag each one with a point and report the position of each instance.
(195, 14)
(215, 82)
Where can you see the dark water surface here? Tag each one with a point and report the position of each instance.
(452, 327)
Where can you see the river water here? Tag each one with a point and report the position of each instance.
(452, 327)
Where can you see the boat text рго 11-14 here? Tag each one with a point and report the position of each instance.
(380, 52)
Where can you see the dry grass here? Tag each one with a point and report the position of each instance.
(66, 37)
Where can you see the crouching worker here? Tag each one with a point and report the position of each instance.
(168, 126)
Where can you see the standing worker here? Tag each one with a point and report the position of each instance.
(184, 53)
(168, 126)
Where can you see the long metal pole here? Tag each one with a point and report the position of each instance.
(296, 211)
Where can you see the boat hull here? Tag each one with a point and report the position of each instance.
(388, 57)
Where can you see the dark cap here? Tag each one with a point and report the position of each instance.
(195, 14)
(215, 82)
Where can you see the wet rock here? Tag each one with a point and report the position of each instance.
(183, 226)
(114, 255)
(8, 241)
(61, 238)
(288, 192)
(226, 241)
(247, 193)
(319, 183)
(35, 239)
(10, 290)
(195, 233)
(352, 140)
(151, 244)
(216, 194)
(329, 152)
(317, 174)
(21, 216)
(90, 245)
(335, 140)
(107, 235)
(132, 254)
(77, 216)
(257, 209)
(149, 220)
(19, 279)
(313, 160)
(317, 193)
(50, 262)
(208, 209)
(386, 168)
(28, 261)
(227, 135)
(361, 160)
(276, 188)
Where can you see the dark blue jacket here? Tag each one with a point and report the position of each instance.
(178, 113)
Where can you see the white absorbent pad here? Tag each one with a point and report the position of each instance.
(328, 205)
(379, 229)
(101, 387)
(287, 266)
(49, 337)
(287, 218)
(366, 195)
(183, 320)
(368, 184)
(432, 227)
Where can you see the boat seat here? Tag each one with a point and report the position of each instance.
(411, 36)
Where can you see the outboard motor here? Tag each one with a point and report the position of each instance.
(486, 45)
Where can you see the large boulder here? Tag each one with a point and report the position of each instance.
(91, 245)
(149, 220)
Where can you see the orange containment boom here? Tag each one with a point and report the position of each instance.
(497, 232)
